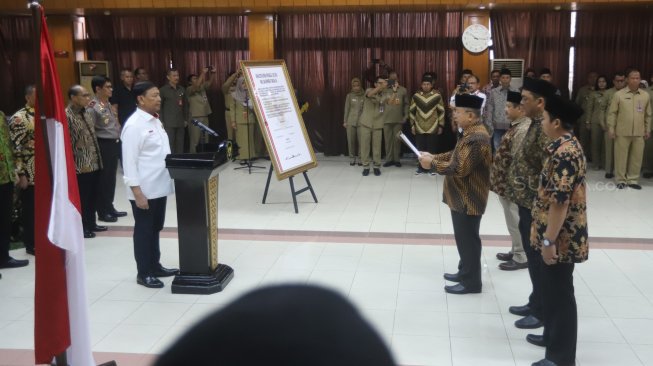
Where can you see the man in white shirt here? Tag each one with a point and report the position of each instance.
(472, 85)
(145, 146)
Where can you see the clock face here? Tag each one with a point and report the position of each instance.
(476, 38)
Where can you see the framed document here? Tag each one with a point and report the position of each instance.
(278, 115)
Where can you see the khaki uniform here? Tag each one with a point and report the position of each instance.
(629, 117)
(394, 116)
(647, 164)
(199, 109)
(609, 143)
(353, 111)
(228, 101)
(585, 135)
(595, 111)
(371, 129)
(174, 115)
(246, 122)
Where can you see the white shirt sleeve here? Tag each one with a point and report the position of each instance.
(131, 144)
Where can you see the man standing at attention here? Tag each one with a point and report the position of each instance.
(629, 124)
(107, 131)
(174, 111)
(394, 116)
(86, 153)
(199, 107)
(144, 149)
(466, 188)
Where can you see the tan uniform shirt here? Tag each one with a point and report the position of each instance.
(397, 104)
(630, 113)
(373, 109)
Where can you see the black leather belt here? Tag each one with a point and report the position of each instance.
(112, 140)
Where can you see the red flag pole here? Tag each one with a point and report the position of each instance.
(37, 9)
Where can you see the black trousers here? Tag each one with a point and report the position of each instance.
(468, 241)
(147, 225)
(110, 151)
(87, 183)
(534, 262)
(6, 206)
(560, 314)
(27, 218)
(424, 142)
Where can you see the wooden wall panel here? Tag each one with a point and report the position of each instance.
(261, 37)
(61, 34)
(477, 62)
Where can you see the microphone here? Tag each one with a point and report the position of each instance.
(204, 127)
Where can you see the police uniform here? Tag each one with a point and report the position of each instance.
(353, 111)
(107, 131)
(21, 133)
(394, 116)
(88, 162)
(371, 130)
(629, 117)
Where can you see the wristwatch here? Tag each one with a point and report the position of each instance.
(546, 242)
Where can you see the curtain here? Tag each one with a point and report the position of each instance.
(324, 51)
(17, 60)
(605, 45)
(541, 38)
(187, 43)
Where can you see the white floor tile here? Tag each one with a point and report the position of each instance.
(606, 354)
(421, 350)
(471, 352)
(131, 338)
(422, 323)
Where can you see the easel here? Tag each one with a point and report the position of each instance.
(292, 188)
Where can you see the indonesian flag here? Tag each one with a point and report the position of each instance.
(60, 304)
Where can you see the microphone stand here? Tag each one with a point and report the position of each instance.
(249, 164)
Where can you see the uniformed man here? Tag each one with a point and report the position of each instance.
(629, 124)
(107, 131)
(123, 99)
(227, 89)
(245, 123)
(594, 115)
(394, 117)
(371, 126)
(199, 107)
(582, 97)
(496, 108)
(559, 230)
(618, 83)
(21, 133)
(525, 173)
(7, 181)
(466, 189)
(86, 153)
(647, 164)
(174, 111)
(501, 178)
(426, 118)
(353, 111)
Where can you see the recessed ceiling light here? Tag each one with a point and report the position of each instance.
(482, 7)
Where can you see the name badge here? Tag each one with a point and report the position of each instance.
(640, 109)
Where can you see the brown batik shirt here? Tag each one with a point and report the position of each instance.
(563, 181)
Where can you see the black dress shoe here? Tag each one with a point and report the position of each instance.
(512, 265)
(98, 228)
(528, 322)
(149, 281)
(398, 164)
(504, 256)
(377, 171)
(453, 277)
(30, 251)
(609, 175)
(388, 163)
(523, 310)
(536, 339)
(14, 263)
(635, 186)
(118, 213)
(165, 272)
(621, 185)
(460, 290)
(107, 218)
(88, 234)
(366, 172)
(544, 362)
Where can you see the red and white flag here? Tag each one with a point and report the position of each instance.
(60, 303)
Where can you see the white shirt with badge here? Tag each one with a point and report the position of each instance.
(144, 149)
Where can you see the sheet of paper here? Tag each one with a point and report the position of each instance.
(406, 141)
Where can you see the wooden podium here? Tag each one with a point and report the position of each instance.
(196, 190)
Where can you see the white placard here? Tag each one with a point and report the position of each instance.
(280, 120)
(409, 144)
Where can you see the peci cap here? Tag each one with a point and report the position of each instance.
(514, 97)
(539, 87)
(567, 111)
(469, 101)
(505, 71)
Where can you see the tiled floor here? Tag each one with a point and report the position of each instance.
(383, 242)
